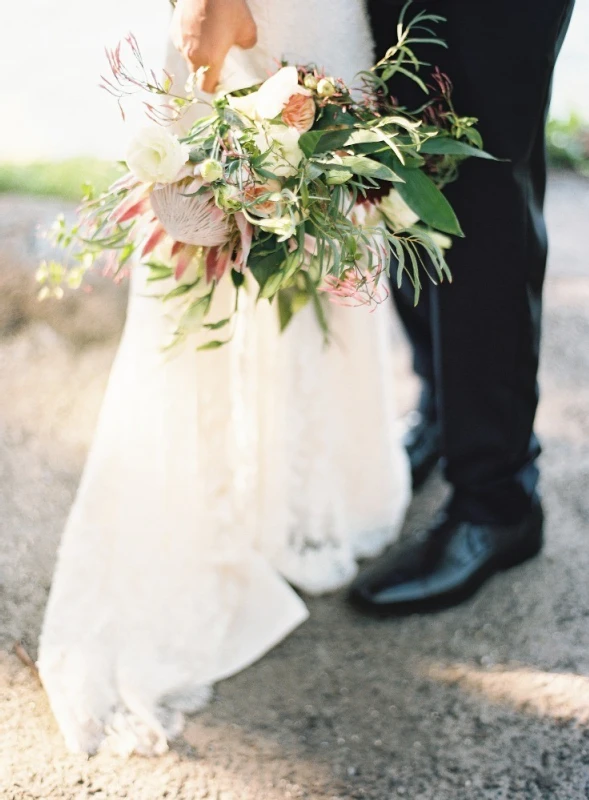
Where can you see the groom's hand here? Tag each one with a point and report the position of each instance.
(205, 30)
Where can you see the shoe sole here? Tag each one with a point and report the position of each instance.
(533, 546)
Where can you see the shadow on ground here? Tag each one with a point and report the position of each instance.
(490, 700)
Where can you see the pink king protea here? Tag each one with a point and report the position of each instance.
(193, 220)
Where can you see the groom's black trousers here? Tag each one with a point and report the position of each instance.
(476, 341)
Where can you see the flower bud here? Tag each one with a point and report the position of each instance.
(310, 82)
(229, 198)
(326, 87)
(211, 170)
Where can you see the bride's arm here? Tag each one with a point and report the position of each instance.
(205, 30)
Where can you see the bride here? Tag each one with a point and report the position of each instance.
(218, 481)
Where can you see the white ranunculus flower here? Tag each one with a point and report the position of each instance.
(274, 94)
(397, 212)
(281, 145)
(155, 155)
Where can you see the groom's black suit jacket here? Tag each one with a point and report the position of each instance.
(476, 341)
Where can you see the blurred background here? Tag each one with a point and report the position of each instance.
(488, 701)
(52, 54)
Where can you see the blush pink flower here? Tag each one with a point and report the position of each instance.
(216, 263)
(266, 207)
(246, 235)
(184, 255)
(154, 237)
(299, 112)
(134, 204)
(354, 288)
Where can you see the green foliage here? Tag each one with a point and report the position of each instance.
(445, 145)
(568, 143)
(423, 196)
(65, 179)
(309, 234)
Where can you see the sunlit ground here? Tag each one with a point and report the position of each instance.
(487, 701)
(555, 695)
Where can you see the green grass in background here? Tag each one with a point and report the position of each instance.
(568, 143)
(63, 179)
(568, 147)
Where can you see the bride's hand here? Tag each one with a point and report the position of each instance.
(205, 30)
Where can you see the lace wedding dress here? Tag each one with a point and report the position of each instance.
(216, 479)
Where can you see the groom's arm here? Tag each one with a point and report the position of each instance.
(205, 30)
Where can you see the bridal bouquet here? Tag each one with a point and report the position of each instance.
(300, 187)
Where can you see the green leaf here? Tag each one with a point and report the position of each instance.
(158, 272)
(335, 115)
(178, 291)
(215, 326)
(317, 305)
(285, 313)
(363, 136)
(194, 315)
(271, 285)
(444, 145)
(263, 265)
(290, 301)
(368, 168)
(238, 278)
(360, 165)
(475, 137)
(233, 119)
(308, 142)
(423, 196)
(212, 345)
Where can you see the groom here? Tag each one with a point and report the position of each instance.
(476, 341)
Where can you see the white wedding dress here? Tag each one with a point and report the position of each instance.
(216, 479)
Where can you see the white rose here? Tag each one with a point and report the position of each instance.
(274, 94)
(281, 145)
(397, 212)
(155, 155)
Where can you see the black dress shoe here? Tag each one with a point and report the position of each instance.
(446, 564)
(423, 444)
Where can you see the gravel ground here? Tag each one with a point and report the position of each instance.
(490, 700)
